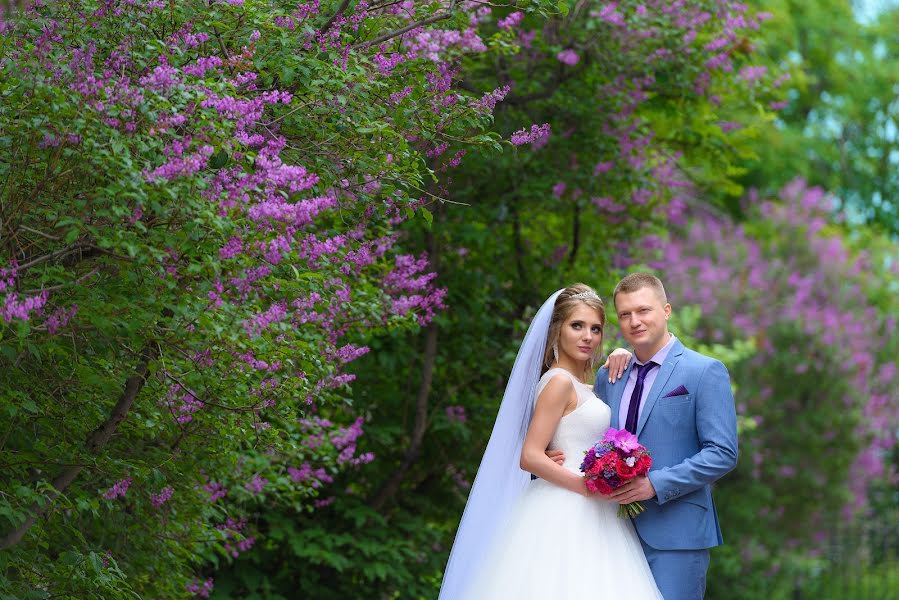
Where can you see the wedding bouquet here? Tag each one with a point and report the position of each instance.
(613, 461)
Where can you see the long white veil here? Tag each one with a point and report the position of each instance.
(500, 481)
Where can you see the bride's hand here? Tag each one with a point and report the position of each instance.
(617, 363)
(583, 491)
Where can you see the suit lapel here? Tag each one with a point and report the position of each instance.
(659, 384)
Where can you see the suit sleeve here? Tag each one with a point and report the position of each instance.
(716, 426)
(599, 386)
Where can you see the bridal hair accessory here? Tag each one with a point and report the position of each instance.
(591, 295)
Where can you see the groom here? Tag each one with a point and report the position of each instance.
(680, 405)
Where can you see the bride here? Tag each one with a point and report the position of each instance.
(548, 537)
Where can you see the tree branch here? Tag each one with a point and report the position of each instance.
(339, 12)
(94, 444)
(421, 420)
(54, 288)
(518, 245)
(392, 34)
(83, 249)
(575, 235)
(552, 86)
(52, 256)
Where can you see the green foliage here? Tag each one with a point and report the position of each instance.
(839, 128)
(166, 337)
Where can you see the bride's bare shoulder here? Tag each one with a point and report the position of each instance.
(558, 389)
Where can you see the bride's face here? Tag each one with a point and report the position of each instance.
(581, 334)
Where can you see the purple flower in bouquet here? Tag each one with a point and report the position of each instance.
(622, 439)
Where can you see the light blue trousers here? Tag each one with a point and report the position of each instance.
(679, 574)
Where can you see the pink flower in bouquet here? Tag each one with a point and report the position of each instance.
(613, 461)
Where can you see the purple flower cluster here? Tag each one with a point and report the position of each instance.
(344, 440)
(215, 490)
(411, 288)
(610, 14)
(262, 321)
(182, 404)
(119, 489)
(181, 165)
(15, 307)
(489, 100)
(433, 44)
(538, 134)
(164, 495)
(256, 484)
(512, 21)
(317, 477)
(458, 477)
(456, 414)
(568, 57)
(397, 96)
(350, 352)
(752, 74)
(323, 502)
(202, 589)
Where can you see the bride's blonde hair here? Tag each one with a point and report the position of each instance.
(570, 298)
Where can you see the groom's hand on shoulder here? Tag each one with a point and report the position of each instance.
(635, 490)
(557, 456)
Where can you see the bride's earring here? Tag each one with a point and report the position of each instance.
(556, 352)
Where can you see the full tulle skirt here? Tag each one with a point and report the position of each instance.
(558, 545)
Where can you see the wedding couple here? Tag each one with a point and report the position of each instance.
(550, 539)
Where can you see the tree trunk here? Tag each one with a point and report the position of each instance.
(94, 444)
(389, 489)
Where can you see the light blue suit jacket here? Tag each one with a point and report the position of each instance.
(692, 438)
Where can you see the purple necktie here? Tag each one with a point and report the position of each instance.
(633, 410)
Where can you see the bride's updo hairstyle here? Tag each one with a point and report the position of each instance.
(570, 298)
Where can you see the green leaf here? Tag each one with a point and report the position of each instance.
(428, 217)
(219, 159)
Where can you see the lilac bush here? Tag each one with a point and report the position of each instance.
(201, 207)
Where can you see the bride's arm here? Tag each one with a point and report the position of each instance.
(550, 408)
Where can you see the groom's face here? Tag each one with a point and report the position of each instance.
(643, 319)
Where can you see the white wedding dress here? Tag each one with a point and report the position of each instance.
(559, 545)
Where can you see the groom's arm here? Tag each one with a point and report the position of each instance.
(716, 426)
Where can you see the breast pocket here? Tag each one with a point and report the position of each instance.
(675, 411)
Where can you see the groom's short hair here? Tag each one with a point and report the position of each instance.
(638, 281)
